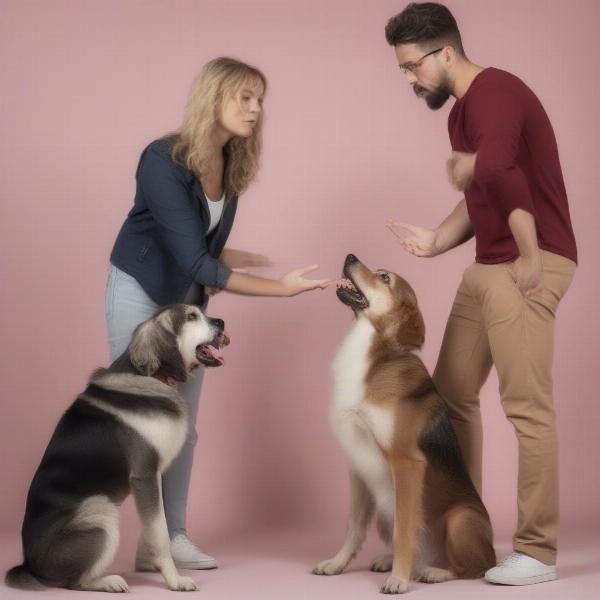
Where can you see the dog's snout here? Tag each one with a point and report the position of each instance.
(218, 323)
(351, 259)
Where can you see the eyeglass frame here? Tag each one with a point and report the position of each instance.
(412, 66)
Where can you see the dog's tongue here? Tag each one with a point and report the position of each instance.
(214, 352)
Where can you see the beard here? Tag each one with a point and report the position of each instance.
(437, 98)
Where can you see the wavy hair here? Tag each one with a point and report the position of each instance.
(220, 80)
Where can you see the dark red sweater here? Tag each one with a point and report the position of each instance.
(517, 166)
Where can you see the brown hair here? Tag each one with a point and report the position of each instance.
(427, 24)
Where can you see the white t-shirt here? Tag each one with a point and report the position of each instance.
(215, 207)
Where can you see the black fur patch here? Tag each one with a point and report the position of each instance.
(90, 453)
(134, 402)
(440, 444)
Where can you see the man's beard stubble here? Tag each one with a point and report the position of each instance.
(435, 99)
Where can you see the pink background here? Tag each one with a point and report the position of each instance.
(86, 85)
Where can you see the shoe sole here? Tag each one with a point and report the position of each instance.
(205, 566)
(146, 568)
(523, 580)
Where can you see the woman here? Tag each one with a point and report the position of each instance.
(171, 247)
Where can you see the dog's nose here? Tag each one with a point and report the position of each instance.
(351, 259)
(219, 323)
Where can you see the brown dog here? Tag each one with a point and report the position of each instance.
(405, 462)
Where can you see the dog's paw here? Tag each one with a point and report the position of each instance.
(108, 583)
(434, 575)
(116, 584)
(328, 567)
(183, 584)
(394, 585)
(383, 564)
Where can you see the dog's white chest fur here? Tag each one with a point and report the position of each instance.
(166, 434)
(360, 426)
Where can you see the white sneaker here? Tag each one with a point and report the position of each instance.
(185, 556)
(520, 569)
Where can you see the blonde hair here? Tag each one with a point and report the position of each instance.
(220, 80)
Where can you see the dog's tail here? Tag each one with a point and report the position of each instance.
(22, 578)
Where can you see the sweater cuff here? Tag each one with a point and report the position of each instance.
(223, 274)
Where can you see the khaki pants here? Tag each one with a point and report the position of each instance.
(491, 322)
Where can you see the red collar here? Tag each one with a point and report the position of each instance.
(165, 379)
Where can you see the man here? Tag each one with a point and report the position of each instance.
(505, 159)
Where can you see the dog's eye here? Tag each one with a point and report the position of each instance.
(192, 317)
(384, 277)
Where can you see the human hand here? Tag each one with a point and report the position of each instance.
(461, 169)
(416, 240)
(527, 274)
(240, 259)
(294, 282)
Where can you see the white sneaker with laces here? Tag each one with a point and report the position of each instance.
(520, 569)
(185, 556)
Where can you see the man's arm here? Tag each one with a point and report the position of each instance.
(454, 230)
(496, 125)
(527, 269)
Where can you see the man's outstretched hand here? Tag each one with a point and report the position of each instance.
(416, 240)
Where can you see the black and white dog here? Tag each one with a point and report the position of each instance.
(117, 438)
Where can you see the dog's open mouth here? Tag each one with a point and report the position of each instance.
(349, 293)
(210, 354)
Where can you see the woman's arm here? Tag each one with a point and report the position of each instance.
(167, 197)
(290, 284)
(240, 259)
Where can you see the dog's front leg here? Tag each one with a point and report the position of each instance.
(408, 474)
(147, 491)
(361, 510)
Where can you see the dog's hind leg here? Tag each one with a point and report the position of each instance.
(361, 510)
(147, 493)
(469, 542)
(433, 575)
(84, 547)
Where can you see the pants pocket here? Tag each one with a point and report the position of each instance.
(554, 287)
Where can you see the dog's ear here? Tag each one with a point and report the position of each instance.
(411, 330)
(145, 347)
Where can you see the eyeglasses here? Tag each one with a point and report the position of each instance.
(411, 67)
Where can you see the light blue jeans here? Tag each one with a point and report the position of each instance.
(126, 306)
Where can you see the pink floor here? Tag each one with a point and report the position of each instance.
(277, 565)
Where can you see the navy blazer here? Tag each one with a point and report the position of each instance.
(163, 241)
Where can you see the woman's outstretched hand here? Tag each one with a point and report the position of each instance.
(414, 239)
(295, 283)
